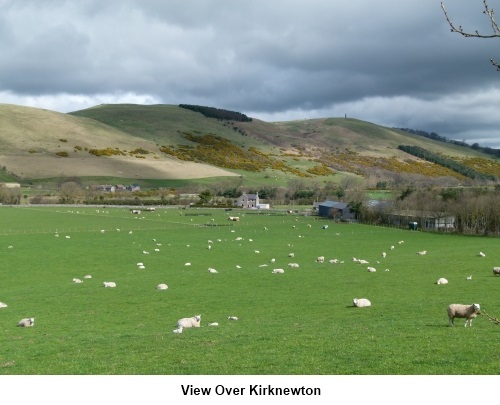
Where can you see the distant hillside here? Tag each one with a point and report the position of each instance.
(38, 143)
(171, 142)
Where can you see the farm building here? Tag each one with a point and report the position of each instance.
(335, 210)
(248, 201)
(424, 219)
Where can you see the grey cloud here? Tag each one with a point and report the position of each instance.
(271, 58)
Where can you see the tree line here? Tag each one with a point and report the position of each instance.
(444, 161)
(436, 137)
(219, 113)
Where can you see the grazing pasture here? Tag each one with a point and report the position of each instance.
(300, 322)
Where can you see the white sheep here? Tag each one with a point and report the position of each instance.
(363, 261)
(442, 280)
(361, 302)
(232, 318)
(88, 276)
(109, 284)
(291, 254)
(278, 271)
(77, 281)
(162, 287)
(333, 261)
(496, 271)
(3, 305)
(26, 322)
(469, 277)
(384, 255)
(187, 264)
(320, 259)
(211, 270)
(392, 247)
(482, 254)
(193, 322)
(371, 269)
(463, 311)
(293, 265)
(213, 324)
(422, 252)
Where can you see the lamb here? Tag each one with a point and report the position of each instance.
(77, 281)
(211, 270)
(371, 269)
(213, 324)
(88, 276)
(291, 255)
(496, 271)
(320, 259)
(442, 281)
(482, 254)
(422, 252)
(109, 284)
(361, 302)
(333, 261)
(463, 311)
(3, 305)
(278, 271)
(232, 318)
(293, 265)
(162, 287)
(384, 254)
(184, 323)
(26, 322)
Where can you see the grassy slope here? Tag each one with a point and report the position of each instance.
(125, 126)
(31, 138)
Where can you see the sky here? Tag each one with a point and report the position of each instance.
(395, 63)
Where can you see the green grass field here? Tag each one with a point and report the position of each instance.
(301, 322)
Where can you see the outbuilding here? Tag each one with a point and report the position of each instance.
(335, 210)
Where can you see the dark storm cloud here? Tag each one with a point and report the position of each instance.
(391, 62)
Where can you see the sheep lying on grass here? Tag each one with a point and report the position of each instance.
(77, 281)
(496, 271)
(232, 318)
(183, 323)
(361, 302)
(463, 311)
(162, 287)
(109, 284)
(26, 322)
(2, 305)
(278, 271)
(442, 281)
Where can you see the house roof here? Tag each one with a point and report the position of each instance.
(333, 204)
(250, 196)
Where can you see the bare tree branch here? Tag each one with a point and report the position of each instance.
(467, 34)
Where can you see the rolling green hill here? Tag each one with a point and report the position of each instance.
(167, 142)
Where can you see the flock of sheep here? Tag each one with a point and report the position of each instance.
(467, 312)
